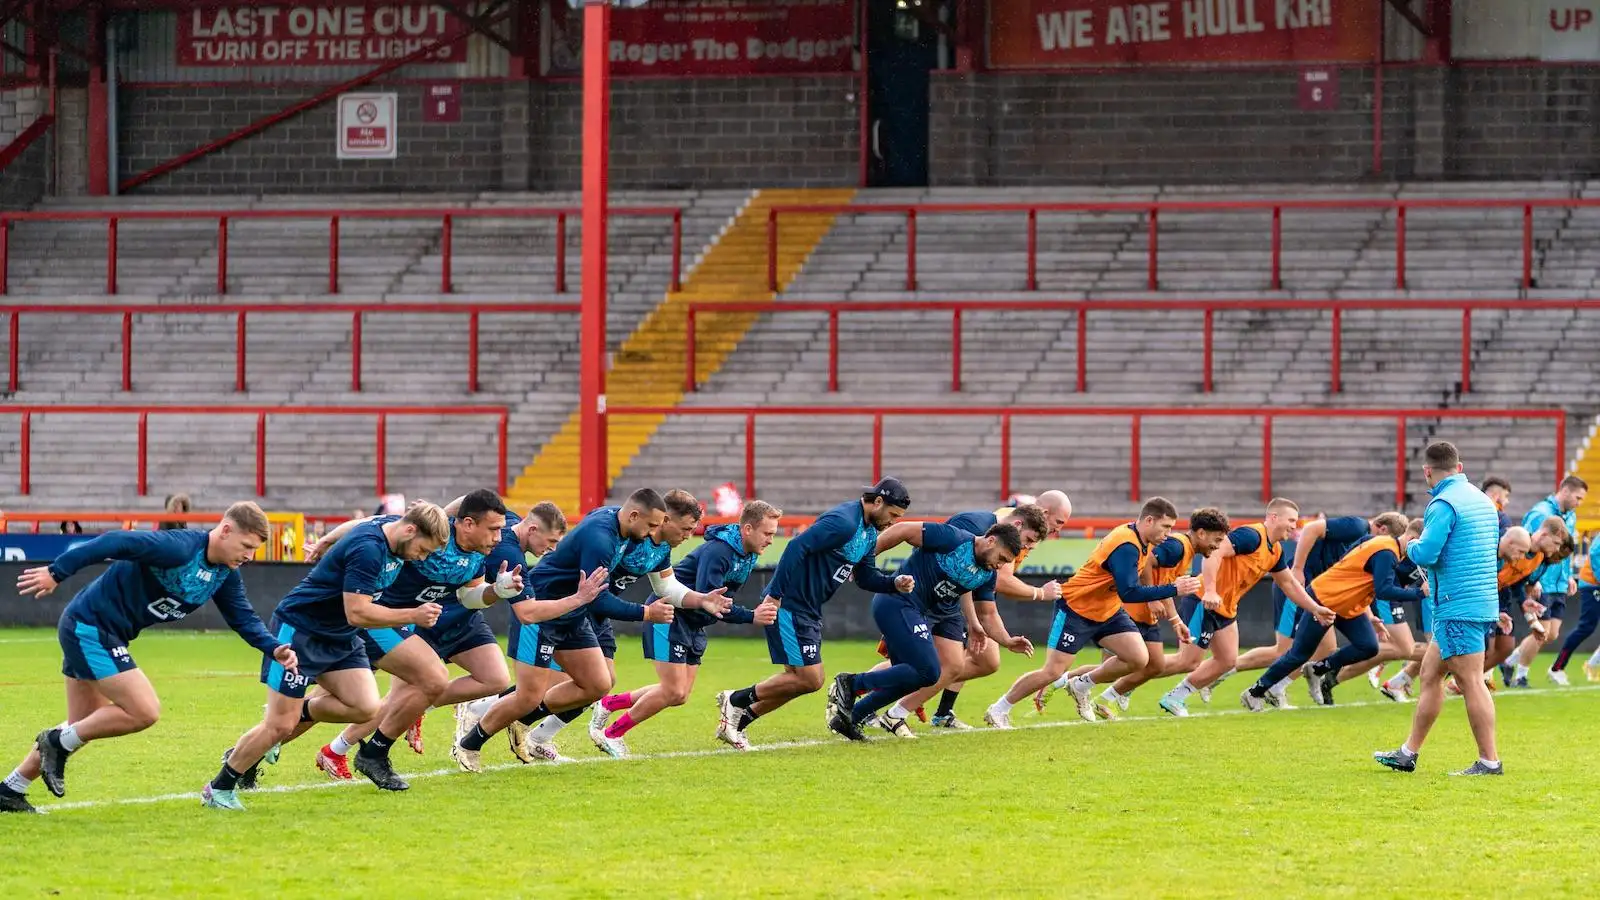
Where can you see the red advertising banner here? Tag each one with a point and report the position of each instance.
(313, 34)
(713, 37)
(1034, 34)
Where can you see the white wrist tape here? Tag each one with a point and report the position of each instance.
(668, 588)
(472, 596)
(503, 586)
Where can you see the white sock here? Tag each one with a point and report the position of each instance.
(479, 707)
(1281, 686)
(1225, 676)
(1061, 682)
(18, 782)
(1085, 683)
(546, 730)
(1183, 690)
(1003, 705)
(1522, 671)
(70, 740)
(1406, 749)
(898, 711)
(1491, 763)
(339, 745)
(1399, 681)
(1110, 694)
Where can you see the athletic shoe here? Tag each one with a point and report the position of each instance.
(337, 767)
(842, 725)
(922, 715)
(519, 736)
(1106, 710)
(536, 750)
(1397, 694)
(414, 736)
(380, 772)
(249, 778)
(1521, 682)
(994, 718)
(1507, 673)
(1205, 692)
(1277, 699)
(273, 754)
(1172, 706)
(13, 802)
(896, 727)
(1375, 677)
(1558, 677)
(52, 762)
(1453, 689)
(1317, 685)
(1041, 697)
(727, 723)
(883, 648)
(1252, 702)
(466, 720)
(215, 799)
(468, 760)
(841, 697)
(1478, 768)
(1080, 696)
(951, 722)
(610, 746)
(1397, 759)
(599, 719)
(1591, 672)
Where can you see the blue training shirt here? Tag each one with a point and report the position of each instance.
(155, 577)
(640, 559)
(839, 546)
(434, 579)
(945, 567)
(720, 562)
(361, 563)
(1342, 534)
(595, 543)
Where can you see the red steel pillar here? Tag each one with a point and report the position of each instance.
(593, 456)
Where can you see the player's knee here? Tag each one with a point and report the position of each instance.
(928, 671)
(144, 715)
(809, 679)
(674, 695)
(366, 709)
(982, 667)
(432, 682)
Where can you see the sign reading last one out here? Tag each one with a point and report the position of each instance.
(311, 35)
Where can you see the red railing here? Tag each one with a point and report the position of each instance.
(357, 311)
(1135, 415)
(447, 217)
(1152, 212)
(1208, 309)
(380, 413)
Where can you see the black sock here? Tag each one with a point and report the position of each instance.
(744, 698)
(533, 718)
(53, 736)
(750, 715)
(1319, 669)
(475, 738)
(305, 711)
(227, 779)
(1257, 691)
(376, 746)
(507, 692)
(572, 715)
(947, 702)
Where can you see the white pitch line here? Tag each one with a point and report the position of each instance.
(758, 748)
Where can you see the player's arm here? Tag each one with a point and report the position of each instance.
(713, 565)
(454, 506)
(1437, 521)
(529, 612)
(1123, 564)
(1309, 535)
(1211, 566)
(236, 610)
(665, 585)
(326, 542)
(1386, 585)
(154, 547)
(897, 534)
(361, 570)
(481, 593)
(1296, 592)
(1009, 586)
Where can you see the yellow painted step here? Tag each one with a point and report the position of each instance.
(1587, 467)
(647, 370)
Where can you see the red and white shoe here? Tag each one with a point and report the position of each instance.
(337, 767)
(414, 735)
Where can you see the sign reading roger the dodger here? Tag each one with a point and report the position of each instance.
(367, 126)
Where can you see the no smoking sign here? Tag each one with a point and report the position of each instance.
(367, 126)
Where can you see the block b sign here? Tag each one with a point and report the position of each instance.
(367, 126)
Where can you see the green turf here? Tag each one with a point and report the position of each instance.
(1284, 804)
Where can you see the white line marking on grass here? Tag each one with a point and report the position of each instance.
(765, 748)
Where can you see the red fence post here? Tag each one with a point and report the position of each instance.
(1400, 462)
(1335, 352)
(5, 256)
(750, 456)
(238, 352)
(689, 352)
(877, 447)
(127, 351)
(1153, 277)
(472, 352)
(955, 350)
(446, 254)
(1206, 349)
(222, 255)
(1527, 246)
(1083, 348)
(561, 253)
(502, 474)
(14, 330)
(1005, 456)
(1561, 447)
(911, 249)
(333, 255)
(261, 454)
(1400, 247)
(772, 250)
(833, 350)
(1466, 350)
(677, 249)
(25, 454)
(1033, 249)
(1277, 248)
(1266, 459)
(355, 353)
(111, 255)
(1134, 462)
(144, 453)
(382, 453)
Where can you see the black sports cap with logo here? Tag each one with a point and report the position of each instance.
(891, 490)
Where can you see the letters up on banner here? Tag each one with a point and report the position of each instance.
(1034, 34)
(713, 37)
(312, 35)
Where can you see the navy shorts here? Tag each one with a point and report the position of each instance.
(451, 642)
(1425, 615)
(89, 654)
(1286, 614)
(537, 645)
(674, 642)
(1202, 622)
(317, 654)
(1071, 633)
(607, 638)
(794, 640)
(953, 628)
(1555, 606)
(1151, 633)
(1390, 613)
(379, 642)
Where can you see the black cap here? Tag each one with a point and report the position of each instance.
(891, 490)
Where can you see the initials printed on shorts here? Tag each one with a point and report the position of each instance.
(294, 681)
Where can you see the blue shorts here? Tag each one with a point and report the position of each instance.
(458, 639)
(1072, 633)
(379, 642)
(1555, 607)
(607, 637)
(89, 654)
(1390, 613)
(317, 655)
(1202, 622)
(674, 642)
(1286, 614)
(537, 645)
(794, 640)
(1151, 633)
(1462, 637)
(953, 628)
(1425, 615)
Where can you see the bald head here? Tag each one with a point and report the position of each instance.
(1057, 508)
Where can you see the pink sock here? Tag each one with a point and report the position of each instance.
(614, 702)
(620, 726)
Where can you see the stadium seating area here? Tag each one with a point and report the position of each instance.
(1390, 359)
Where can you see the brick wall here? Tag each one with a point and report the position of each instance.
(24, 181)
(1522, 122)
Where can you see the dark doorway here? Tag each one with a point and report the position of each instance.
(902, 48)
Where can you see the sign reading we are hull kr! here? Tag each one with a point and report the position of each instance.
(312, 35)
(1030, 34)
(714, 37)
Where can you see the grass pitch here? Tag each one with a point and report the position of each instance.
(1225, 804)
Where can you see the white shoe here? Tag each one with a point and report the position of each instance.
(1279, 697)
(1559, 677)
(1205, 693)
(517, 733)
(468, 760)
(728, 715)
(466, 720)
(1080, 696)
(598, 718)
(610, 746)
(994, 718)
(896, 727)
(1375, 677)
(1252, 702)
(545, 751)
(1172, 706)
